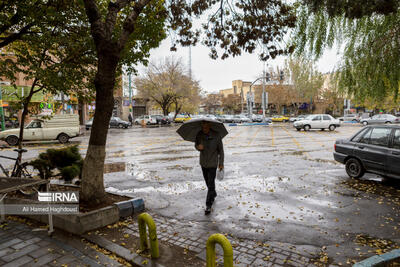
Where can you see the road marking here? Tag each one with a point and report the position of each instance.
(272, 136)
(254, 136)
(234, 137)
(312, 138)
(296, 142)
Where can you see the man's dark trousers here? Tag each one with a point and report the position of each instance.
(209, 177)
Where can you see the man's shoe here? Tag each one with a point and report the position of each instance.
(207, 211)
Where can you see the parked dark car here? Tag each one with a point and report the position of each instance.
(115, 122)
(89, 124)
(119, 123)
(162, 119)
(374, 149)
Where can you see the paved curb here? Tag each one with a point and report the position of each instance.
(130, 207)
(249, 124)
(84, 222)
(379, 260)
(121, 251)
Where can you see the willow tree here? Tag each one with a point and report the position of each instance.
(368, 32)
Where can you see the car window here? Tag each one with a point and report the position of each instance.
(317, 118)
(360, 134)
(396, 140)
(380, 136)
(327, 118)
(365, 138)
(35, 124)
(375, 117)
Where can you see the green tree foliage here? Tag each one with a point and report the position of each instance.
(67, 161)
(21, 18)
(58, 58)
(368, 34)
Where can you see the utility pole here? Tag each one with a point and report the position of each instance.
(263, 98)
(3, 126)
(130, 92)
(62, 102)
(190, 62)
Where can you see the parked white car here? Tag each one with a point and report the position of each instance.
(148, 119)
(59, 127)
(317, 121)
(242, 118)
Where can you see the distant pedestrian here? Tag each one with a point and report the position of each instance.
(209, 143)
(130, 118)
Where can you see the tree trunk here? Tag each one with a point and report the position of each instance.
(177, 109)
(25, 112)
(92, 188)
(165, 109)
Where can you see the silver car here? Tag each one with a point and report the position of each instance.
(380, 119)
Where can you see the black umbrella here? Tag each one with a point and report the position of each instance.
(189, 130)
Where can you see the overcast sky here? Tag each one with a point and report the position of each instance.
(215, 75)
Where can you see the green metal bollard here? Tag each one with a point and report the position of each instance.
(226, 246)
(143, 220)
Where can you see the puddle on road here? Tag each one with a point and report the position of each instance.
(180, 151)
(180, 167)
(134, 169)
(114, 167)
(168, 159)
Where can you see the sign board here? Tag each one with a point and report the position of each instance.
(46, 105)
(46, 112)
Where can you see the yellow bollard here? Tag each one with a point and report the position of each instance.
(226, 246)
(143, 220)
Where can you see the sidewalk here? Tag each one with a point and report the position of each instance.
(19, 246)
(192, 237)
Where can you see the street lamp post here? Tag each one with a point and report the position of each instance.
(250, 109)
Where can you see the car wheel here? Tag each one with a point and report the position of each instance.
(87, 128)
(120, 125)
(63, 138)
(298, 129)
(322, 129)
(136, 123)
(12, 140)
(388, 122)
(354, 168)
(332, 127)
(365, 123)
(307, 128)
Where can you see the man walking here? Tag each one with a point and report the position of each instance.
(209, 143)
(130, 118)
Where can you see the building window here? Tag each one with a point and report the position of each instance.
(234, 89)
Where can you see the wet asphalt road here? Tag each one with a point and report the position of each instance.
(280, 185)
